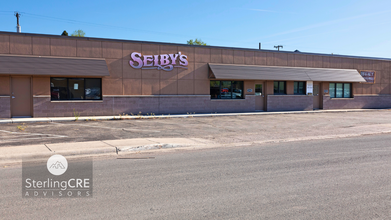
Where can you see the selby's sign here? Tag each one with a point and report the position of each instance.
(165, 62)
(369, 76)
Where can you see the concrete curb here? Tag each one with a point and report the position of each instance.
(17, 158)
(14, 155)
(93, 118)
(124, 150)
(153, 147)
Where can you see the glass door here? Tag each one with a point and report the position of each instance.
(259, 97)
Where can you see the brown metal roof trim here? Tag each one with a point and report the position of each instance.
(253, 72)
(52, 66)
(186, 45)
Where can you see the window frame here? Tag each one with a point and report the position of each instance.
(68, 93)
(278, 83)
(343, 90)
(298, 86)
(231, 89)
(261, 88)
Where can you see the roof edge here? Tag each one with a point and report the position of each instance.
(178, 44)
(295, 67)
(50, 57)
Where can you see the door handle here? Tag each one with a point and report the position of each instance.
(13, 97)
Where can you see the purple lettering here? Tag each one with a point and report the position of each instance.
(136, 58)
(156, 60)
(173, 58)
(148, 58)
(183, 59)
(164, 59)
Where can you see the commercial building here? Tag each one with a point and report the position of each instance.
(47, 75)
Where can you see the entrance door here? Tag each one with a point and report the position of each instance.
(21, 96)
(258, 97)
(316, 95)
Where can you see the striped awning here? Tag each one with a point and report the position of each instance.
(52, 66)
(254, 72)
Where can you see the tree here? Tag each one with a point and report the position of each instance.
(196, 42)
(64, 33)
(78, 33)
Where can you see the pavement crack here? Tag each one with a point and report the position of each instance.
(116, 148)
(48, 147)
(152, 141)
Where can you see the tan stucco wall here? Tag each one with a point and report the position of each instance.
(5, 85)
(41, 86)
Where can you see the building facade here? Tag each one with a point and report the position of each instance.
(54, 76)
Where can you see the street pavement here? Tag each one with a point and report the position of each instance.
(339, 178)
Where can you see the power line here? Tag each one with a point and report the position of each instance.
(112, 26)
(104, 25)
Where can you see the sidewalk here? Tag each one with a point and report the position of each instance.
(120, 138)
(122, 147)
(12, 155)
(189, 115)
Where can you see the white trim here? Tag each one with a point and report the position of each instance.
(5, 96)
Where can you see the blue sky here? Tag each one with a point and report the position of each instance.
(348, 27)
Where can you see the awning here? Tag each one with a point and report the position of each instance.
(52, 66)
(253, 72)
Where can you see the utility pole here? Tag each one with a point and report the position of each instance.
(18, 27)
(259, 45)
(278, 47)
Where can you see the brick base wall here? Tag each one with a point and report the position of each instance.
(289, 103)
(43, 107)
(5, 107)
(115, 105)
(236, 105)
(358, 102)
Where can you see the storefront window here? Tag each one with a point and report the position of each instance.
(93, 89)
(75, 89)
(279, 88)
(237, 89)
(258, 89)
(340, 90)
(215, 89)
(59, 88)
(299, 88)
(346, 90)
(332, 90)
(226, 89)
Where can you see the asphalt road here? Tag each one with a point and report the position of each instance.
(345, 178)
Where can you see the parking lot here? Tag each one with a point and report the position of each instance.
(227, 129)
